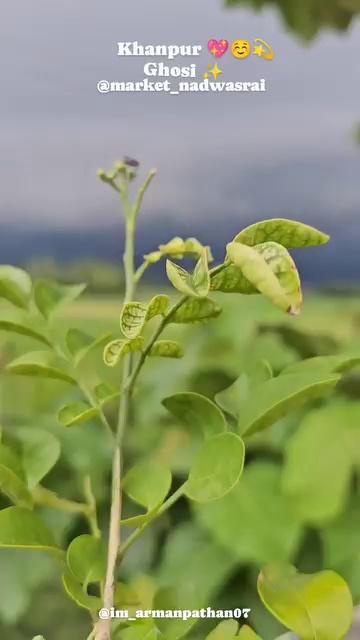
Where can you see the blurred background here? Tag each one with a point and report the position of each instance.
(224, 161)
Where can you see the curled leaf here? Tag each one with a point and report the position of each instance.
(167, 349)
(86, 559)
(76, 592)
(117, 349)
(289, 233)
(196, 284)
(260, 275)
(105, 392)
(76, 413)
(178, 248)
(134, 315)
(15, 285)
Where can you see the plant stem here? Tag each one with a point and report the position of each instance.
(47, 498)
(103, 631)
(137, 533)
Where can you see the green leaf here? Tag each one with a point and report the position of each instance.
(278, 396)
(105, 392)
(12, 323)
(217, 468)
(75, 591)
(289, 233)
(196, 310)
(174, 598)
(117, 349)
(197, 412)
(76, 413)
(226, 630)
(86, 559)
(135, 315)
(38, 638)
(327, 364)
(246, 633)
(41, 364)
(319, 461)
(256, 522)
(341, 538)
(80, 344)
(49, 296)
(167, 349)
(15, 286)
(147, 484)
(232, 398)
(315, 607)
(140, 630)
(256, 270)
(40, 453)
(12, 478)
(196, 284)
(21, 528)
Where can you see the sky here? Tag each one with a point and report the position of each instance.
(221, 158)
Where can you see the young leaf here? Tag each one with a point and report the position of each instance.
(147, 484)
(86, 559)
(134, 315)
(226, 630)
(278, 396)
(178, 248)
(80, 344)
(75, 591)
(15, 285)
(196, 284)
(232, 280)
(12, 323)
(140, 630)
(167, 349)
(217, 468)
(117, 349)
(246, 633)
(76, 413)
(49, 296)
(260, 275)
(41, 364)
(21, 528)
(40, 452)
(12, 479)
(289, 233)
(317, 606)
(196, 310)
(197, 412)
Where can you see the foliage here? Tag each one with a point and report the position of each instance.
(247, 510)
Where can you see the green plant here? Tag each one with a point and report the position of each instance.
(257, 261)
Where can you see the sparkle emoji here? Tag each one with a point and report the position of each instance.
(215, 72)
(263, 50)
(241, 49)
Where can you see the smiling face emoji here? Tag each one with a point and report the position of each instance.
(241, 49)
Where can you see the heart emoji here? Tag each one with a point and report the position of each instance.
(218, 47)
